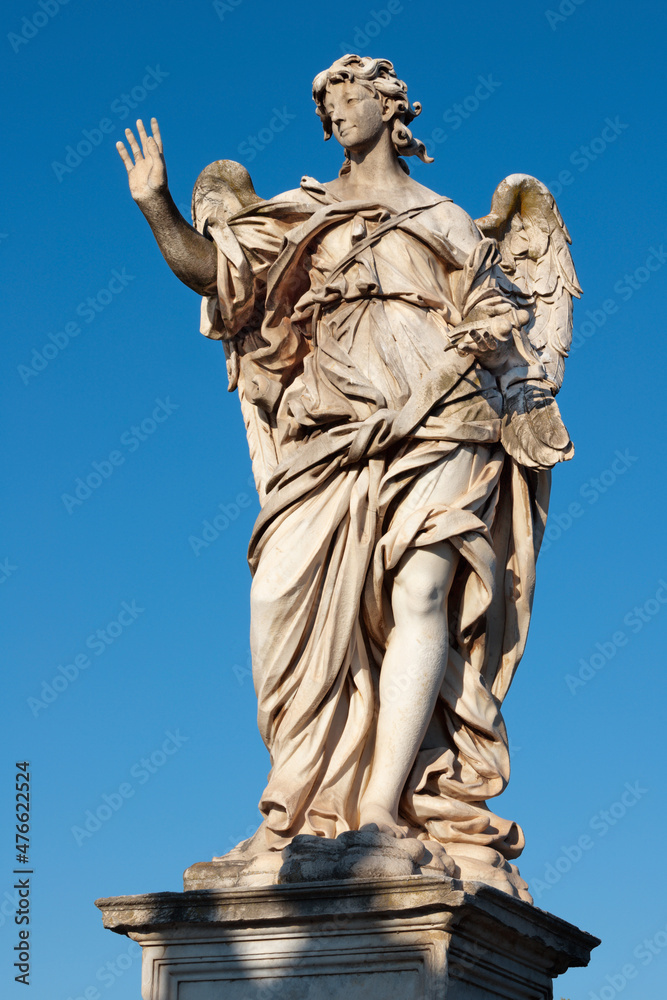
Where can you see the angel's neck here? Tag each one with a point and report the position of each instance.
(374, 168)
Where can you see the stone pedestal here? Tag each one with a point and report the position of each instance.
(413, 938)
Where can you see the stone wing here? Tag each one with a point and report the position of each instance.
(534, 246)
(223, 190)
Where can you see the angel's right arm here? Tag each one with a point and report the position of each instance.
(191, 257)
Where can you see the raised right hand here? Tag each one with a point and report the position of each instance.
(147, 175)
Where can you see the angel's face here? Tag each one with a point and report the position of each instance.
(357, 115)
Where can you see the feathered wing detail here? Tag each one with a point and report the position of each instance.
(222, 190)
(534, 247)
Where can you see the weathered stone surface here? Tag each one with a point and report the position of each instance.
(421, 937)
(364, 854)
(397, 364)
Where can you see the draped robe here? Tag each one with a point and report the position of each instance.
(371, 436)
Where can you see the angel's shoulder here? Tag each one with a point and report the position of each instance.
(296, 194)
(454, 223)
(309, 191)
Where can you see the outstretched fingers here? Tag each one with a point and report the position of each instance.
(155, 128)
(133, 144)
(153, 151)
(124, 155)
(151, 145)
(149, 142)
(143, 137)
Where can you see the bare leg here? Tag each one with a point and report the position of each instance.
(410, 678)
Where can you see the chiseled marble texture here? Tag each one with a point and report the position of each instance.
(397, 365)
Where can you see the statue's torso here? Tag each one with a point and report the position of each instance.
(380, 325)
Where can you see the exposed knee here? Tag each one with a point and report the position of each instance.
(418, 594)
(422, 582)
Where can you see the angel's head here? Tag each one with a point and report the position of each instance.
(357, 97)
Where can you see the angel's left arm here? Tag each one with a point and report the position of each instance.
(490, 321)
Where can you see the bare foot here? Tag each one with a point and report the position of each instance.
(373, 813)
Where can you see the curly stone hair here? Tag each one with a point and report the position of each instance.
(377, 75)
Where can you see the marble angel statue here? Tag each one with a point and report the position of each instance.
(397, 365)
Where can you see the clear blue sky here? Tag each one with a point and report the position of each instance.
(101, 339)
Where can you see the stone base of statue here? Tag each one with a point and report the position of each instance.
(414, 937)
(367, 854)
